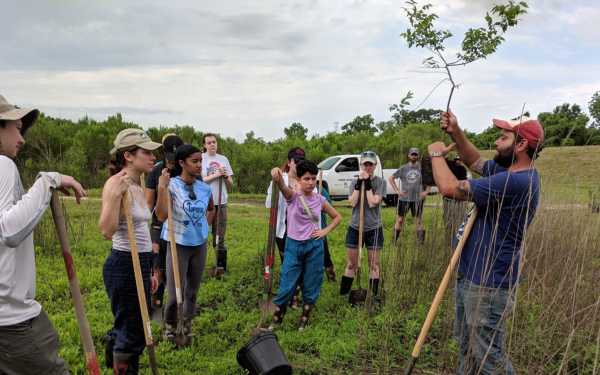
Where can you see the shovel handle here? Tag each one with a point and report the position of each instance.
(139, 280)
(269, 262)
(219, 213)
(441, 290)
(361, 222)
(82, 321)
(173, 248)
(320, 182)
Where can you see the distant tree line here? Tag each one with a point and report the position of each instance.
(81, 148)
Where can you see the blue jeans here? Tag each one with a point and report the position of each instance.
(302, 258)
(479, 327)
(119, 281)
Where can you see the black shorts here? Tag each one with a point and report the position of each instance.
(415, 207)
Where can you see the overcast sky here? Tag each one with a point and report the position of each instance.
(232, 66)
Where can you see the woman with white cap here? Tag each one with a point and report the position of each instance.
(134, 155)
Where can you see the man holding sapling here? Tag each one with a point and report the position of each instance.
(488, 269)
(411, 197)
(28, 341)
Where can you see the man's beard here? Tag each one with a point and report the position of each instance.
(505, 158)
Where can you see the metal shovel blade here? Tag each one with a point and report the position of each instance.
(179, 339)
(156, 315)
(267, 304)
(359, 295)
(215, 272)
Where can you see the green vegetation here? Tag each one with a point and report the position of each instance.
(556, 325)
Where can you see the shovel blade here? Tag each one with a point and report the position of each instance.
(215, 272)
(267, 304)
(357, 296)
(156, 315)
(180, 340)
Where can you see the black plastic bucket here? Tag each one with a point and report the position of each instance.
(262, 355)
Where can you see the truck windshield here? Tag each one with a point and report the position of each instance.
(328, 163)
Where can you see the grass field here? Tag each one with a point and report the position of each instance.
(556, 327)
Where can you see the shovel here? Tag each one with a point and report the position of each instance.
(265, 300)
(84, 327)
(139, 281)
(179, 338)
(216, 271)
(359, 295)
(440, 293)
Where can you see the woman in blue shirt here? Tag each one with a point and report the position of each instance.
(193, 209)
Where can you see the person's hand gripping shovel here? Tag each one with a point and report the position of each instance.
(440, 293)
(359, 295)
(216, 271)
(82, 321)
(265, 300)
(139, 281)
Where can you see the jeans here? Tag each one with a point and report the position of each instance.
(479, 327)
(119, 281)
(302, 259)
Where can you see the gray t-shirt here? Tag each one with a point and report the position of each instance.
(411, 181)
(372, 218)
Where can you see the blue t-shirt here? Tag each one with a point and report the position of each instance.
(506, 203)
(189, 216)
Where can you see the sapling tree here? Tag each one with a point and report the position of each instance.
(477, 44)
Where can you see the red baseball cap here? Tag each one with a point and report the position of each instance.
(526, 128)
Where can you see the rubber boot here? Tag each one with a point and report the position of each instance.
(330, 272)
(222, 260)
(126, 363)
(108, 353)
(294, 302)
(421, 237)
(278, 317)
(306, 312)
(156, 299)
(374, 284)
(346, 285)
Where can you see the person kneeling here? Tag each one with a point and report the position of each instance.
(304, 245)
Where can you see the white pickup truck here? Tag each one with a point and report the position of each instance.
(340, 170)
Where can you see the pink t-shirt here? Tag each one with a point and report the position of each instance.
(299, 224)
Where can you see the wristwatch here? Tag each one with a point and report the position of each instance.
(436, 154)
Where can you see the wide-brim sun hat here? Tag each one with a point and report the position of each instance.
(28, 116)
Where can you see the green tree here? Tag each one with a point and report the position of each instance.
(296, 130)
(360, 124)
(565, 125)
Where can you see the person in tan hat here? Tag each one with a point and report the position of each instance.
(134, 155)
(28, 341)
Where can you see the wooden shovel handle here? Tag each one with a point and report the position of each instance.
(320, 182)
(173, 248)
(139, 281)
(361, 222)
(441, 290)
(82, 321)
(219, 213)
(271, 242)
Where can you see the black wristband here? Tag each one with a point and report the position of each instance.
(368, 184)
(358, 183)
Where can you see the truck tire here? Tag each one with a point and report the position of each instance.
(391, 200)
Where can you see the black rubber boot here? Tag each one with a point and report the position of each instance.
(330, 272)
(108, 353)
(346, 285)
(306, 312)
(222, 259)
(156, 299)
(278, 317)
(374, 284)
(126, 363)
(421, 237)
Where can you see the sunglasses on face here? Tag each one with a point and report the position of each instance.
(298, 160)
(190, 188)
(369, 153)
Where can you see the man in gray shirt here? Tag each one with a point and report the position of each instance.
(411, 197)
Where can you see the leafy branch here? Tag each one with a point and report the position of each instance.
(477, 44)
